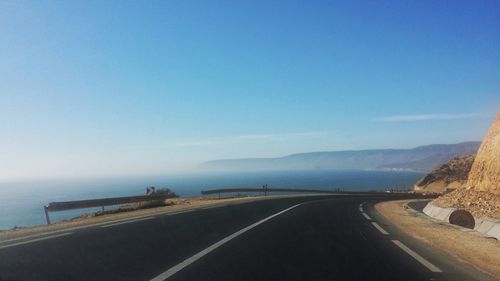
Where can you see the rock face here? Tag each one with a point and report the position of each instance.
(481, 195)
(451, 175)
(479, 203)
(485, 171)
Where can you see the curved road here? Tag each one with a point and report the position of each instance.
(298, 238)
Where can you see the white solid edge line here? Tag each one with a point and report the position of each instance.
(366, 216)
(416, 256)
(55, 233)
(183, 212)
(380, 228)
(34, 240)
(68, 229)
(213, 207)
(45, 234)
(173, 270)
(125, 222)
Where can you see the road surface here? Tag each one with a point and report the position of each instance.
(309, 238)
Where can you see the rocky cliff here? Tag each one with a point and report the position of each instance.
(451, 175)
(481, 195)
(485, 171)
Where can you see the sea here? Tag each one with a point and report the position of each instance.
(21, 202)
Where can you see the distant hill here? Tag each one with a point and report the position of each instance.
(421, 159)
(451, 175)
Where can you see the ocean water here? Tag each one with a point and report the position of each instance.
(21, 203)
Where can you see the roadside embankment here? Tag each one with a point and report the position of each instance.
(479, 203)
(478, 251)
(485, 225)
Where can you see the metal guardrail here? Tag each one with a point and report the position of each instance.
(306, 190)
(290, 190)
(81, 204)
(339, 191)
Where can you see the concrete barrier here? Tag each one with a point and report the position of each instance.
(486, 226)
(495, 231)
(438, 212)
(444, 214)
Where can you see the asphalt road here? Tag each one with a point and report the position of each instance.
(306, 238)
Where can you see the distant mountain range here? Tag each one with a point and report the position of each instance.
(421, 159)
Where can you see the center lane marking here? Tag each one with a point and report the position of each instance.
(187, 262)
(366, 216)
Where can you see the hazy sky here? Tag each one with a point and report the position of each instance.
(137, 87)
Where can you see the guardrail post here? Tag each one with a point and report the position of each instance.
(46, 214)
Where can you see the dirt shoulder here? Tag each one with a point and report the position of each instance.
(480, 252)
(177, 205)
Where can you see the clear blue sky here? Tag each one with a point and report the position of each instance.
(135, 87)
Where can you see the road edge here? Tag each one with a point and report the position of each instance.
(487, 264)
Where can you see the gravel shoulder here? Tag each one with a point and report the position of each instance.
(480, 252)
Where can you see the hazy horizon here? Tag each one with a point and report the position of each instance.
(191, 170)
(95, 89)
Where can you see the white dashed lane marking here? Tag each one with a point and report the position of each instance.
(416, 256)
(400, 244)
(379, 228)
